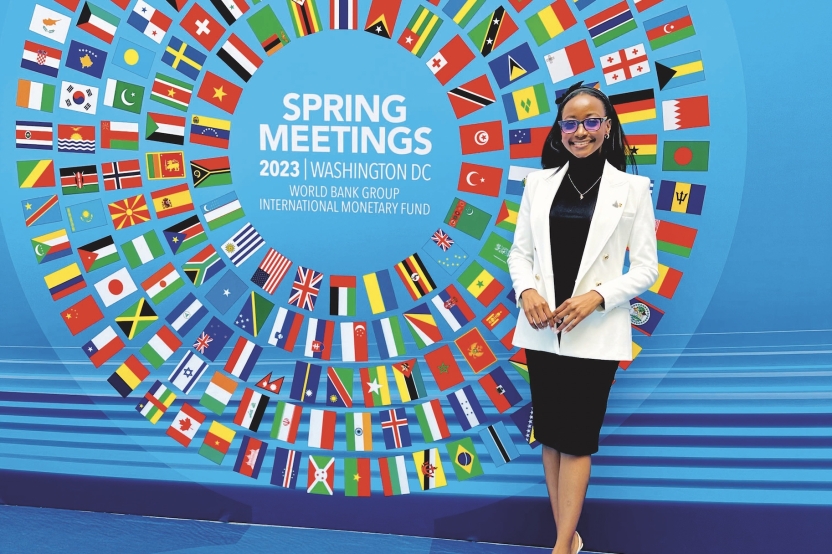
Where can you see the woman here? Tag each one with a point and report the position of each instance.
(578, 217)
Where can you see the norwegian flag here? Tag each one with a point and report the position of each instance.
(305, 288)
(202, 342)
(442, 240)
(271, 271)
(625, 64)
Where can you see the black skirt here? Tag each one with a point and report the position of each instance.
(569, 397)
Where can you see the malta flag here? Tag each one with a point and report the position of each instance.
(450, 60)
(686, 113)
(185, 425)
(354, 341)
(482, 137)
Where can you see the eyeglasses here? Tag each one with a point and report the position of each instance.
(591, 124)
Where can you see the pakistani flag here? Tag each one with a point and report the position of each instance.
(143, 249)
(124, 96)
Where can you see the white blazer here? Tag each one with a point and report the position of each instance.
(623, 218)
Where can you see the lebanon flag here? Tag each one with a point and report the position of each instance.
(480, 179)
(686, 113)
(481, 137)
(185, 425)
(354, 341)
(450, 60)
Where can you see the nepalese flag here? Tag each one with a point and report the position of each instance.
(149, 21)
(501, 322)
(422, 325)
(394, 428)
(185, 425)
(187, 372)
(213, 339)
(354, 341)
(305, 382)
(286, 468)
(625, 64)
(305, 288)
(216, 443)
(243, 244)
(500, 390)
(644, 317)
(319, 335)
(499, 444)
(453, 308)
(429, 469)
(267, 384)
(415, 276)
(393, 476)
(250, 457)
(467, 408)
(242, 359)
(322, 429)
(339, 387)
(156, 402)
(343, 14)
(286, 422)
(409, 380)
(271, 271)
(286, 329)
(320, 475)
(251, 410)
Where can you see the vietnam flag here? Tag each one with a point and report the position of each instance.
(220, 93)
(450, 60)
(482, 137)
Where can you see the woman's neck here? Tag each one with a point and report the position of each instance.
(590, 167)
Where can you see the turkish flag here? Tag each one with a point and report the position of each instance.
(481, 137)
(444, 368)
(82, 315)
(450, 60)
(219, 92)
(204, 28)
(480, 179)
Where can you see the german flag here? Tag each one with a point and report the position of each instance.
(415, 277)
(642, 147)
(639, 105)
(130, 211)
(382, 17)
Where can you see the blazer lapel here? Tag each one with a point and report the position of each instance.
(540, 215)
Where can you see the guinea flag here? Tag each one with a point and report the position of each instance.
(686, 155)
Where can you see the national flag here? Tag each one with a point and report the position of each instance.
(674, 239)
(359, 431)
(222, 210)
(526, 103)
(389, 337)
(380, 291)
(103, 346)
(462, 11)
(624, 364)
(115, 287)
(686, 155)
(213, 339)
(124, 96)
(686, 198)
(409, 380)
(128, 376)
(226, 291)
(79, 98)
(286, 329)
(667, 282)
(129, 211)
(184, 58)
(354, 341)
(467, 218)
(41, 59)
(319, 335)
(286, 422)
(231, 10)
(211, 172)
(220, 93)
(98, 22)
(625, 64)
(36, 135)
(527, 143)
(165, 165)
(642, 147)
(415, 276)
(686, 113)
(499, 388)
(185, 425)
(444, 368)
(501, 321)
(467, 408)
(203, 266)
(85, 59)
(429, 469)
(165, 128)
(305, 17)
(305, 288)
(216, 443)
(250, 457)
(611, 23)
(550, 21)
(186, 315)
(171, 92)
(79, 179)
(420, 30)
(239, 57)
(134, 58)
(243, 244)
(322, 429)
(320, 475)
(160, 347)
(210, 131)
(492, 31)
(83, 216)
(268, 30)
(254, 313)
(251, 409)
(422, 325)
(119, 135)
(644, 317)
(639, 105)
(512, 66)
(172, 201)
(305, 382)
(286, 468)
(477, 138)
(374, 386)
(49, 23)
(271, 270)
(82, 315)
(499, 444)
(218, 393)
(464, 459)
(136, 318)
(156, 402)
(450, 60)
(393, 476)
(35, 95)
(357, 476)
(339, 387)
(342, 291)
(496, 249)
(453, 308)
(507, 216)
(471, 96)
(142, 249)
(432, 421)
(475, 350)
(680, 70)
(443, 250)
(185, 234)
(480, 283)
(516, 182)
(669, 28)
(343, 14)
(382, 16)
(199, 24)
(149, 21)
(187, 372)
(125, 174)
(394, 428)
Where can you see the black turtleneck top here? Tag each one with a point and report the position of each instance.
(569, 220)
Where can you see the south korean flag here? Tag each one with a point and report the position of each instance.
(78, 98)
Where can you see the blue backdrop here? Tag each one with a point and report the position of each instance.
(717, 436)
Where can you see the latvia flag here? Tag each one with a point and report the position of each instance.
(450, 60)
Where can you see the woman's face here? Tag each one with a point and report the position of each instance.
(582, 143)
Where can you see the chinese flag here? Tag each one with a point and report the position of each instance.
(444, 368)
(82, 315)
(475, 350)
(481, 137)
(219, 92)
(204, 28)
(480, 179)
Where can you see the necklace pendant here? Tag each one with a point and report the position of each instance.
(582, 196)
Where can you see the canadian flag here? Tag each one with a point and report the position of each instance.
(450, 59)
(625, 64)
(185, 425)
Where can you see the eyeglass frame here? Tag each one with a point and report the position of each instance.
(580, 122)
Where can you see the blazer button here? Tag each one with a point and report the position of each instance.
(606, 256)
(598, 284)
(537, 277)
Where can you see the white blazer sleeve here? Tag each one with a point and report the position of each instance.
(521, 255)
(644, 259)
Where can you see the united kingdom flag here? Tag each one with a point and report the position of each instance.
(442, 240)
(305, 288)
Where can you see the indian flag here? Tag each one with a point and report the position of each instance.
(359, 431)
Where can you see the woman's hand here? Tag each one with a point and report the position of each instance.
(537, 309)
(574, 310)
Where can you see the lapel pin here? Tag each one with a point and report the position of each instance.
(618, 204)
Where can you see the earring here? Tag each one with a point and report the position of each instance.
(606, 136)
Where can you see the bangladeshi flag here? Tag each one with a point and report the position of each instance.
(686, 155)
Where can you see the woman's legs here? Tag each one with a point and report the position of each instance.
(567, 478)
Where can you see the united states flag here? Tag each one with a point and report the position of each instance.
(271, 271)
(305, 289)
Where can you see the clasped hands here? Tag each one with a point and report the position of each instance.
(565, 317)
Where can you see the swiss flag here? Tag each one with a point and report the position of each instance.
(219, 92)
(204, 28)
(82, 315)
(450, 59)
(480, 179)
(481, 137)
